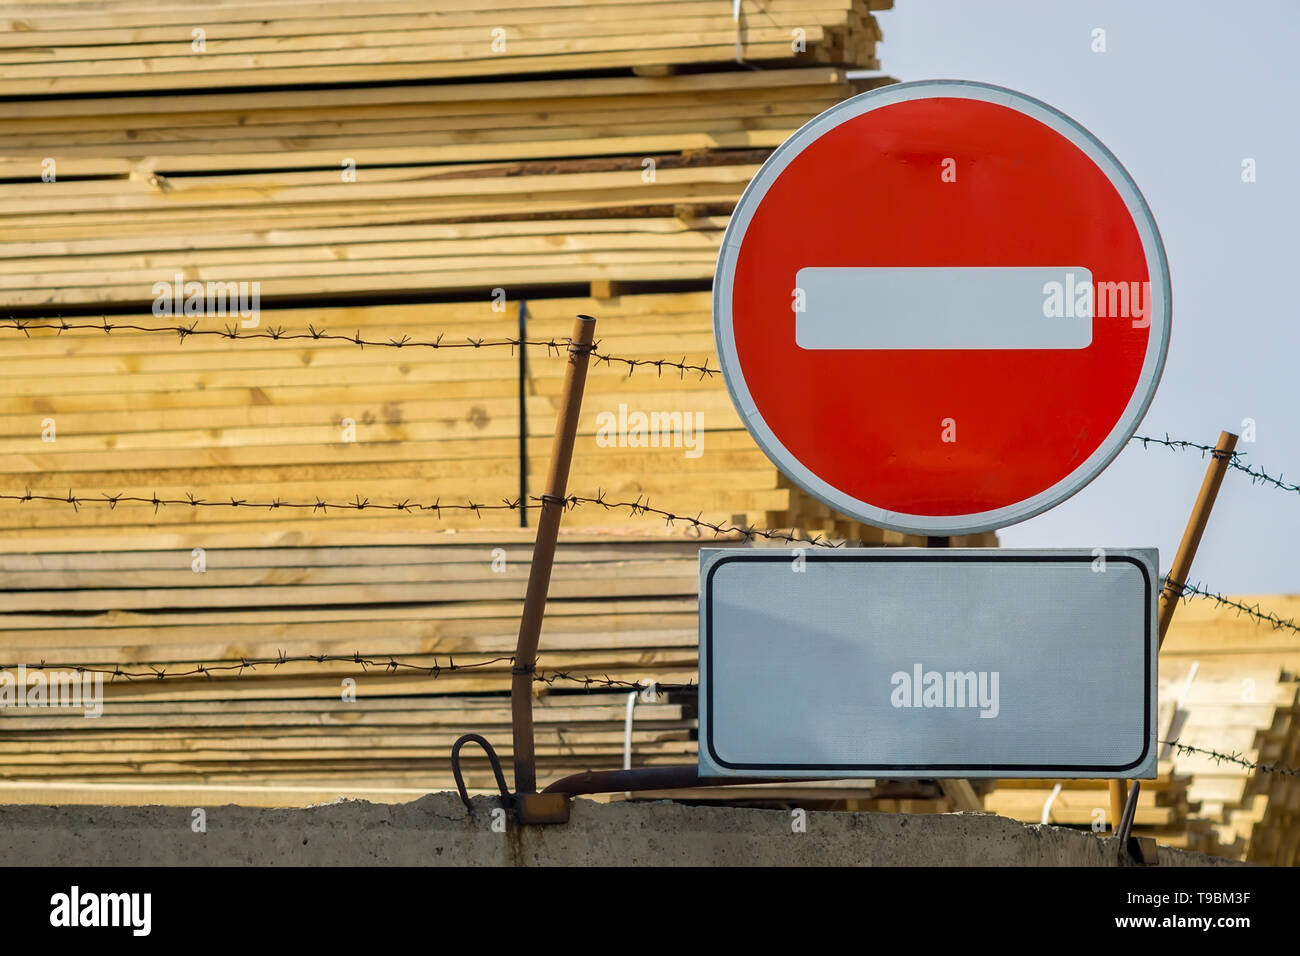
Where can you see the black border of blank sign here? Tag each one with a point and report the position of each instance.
(938, 556)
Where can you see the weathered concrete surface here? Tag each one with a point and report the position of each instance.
(435, 830)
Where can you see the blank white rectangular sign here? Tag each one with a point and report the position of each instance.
(907, 662)
(922, 307)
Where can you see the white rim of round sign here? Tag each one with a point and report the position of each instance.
(1157, 339)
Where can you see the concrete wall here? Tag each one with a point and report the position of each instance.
(435, 830)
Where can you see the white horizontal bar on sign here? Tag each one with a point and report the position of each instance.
(963, 307)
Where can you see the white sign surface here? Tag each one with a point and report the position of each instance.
(903, 662)
(917, 308)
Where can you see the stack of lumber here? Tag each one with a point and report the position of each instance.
(619, 608)
(343, 159)
(492, 121)
(131, 159)
(1240, 699)
(137, 414)
(1271, 815)
(133, 45)
(401, 171)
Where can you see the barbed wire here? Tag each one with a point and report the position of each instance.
(1174, 443)
(280, 334)
(1235, 460)
(390, 664)
(641, 506)
(143, 670)
(553, 345)
(1234, 757)
(1277, 622)
(319, 505)
(153, 671)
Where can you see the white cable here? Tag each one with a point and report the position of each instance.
(1179, 717)
(1046, 818)
(627, 736)
(1187, 687)
(735, 15)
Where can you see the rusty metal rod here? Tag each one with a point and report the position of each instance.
(1182, 567)
(1125, 827)
(539, 573)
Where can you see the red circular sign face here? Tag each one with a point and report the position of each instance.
(942, 307)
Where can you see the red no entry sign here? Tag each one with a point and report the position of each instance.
(942, 307)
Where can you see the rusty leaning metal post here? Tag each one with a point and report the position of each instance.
(530, 806)
(1182, 566)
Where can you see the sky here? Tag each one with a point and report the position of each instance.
(1184, 92)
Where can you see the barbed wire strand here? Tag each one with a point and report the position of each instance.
(143, 670)
(555, 346)
(436, 670)
(1235, 758)
(641, 506)
(1235, 460)
(1277, 622)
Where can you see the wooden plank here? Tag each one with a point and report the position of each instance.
(393, 64)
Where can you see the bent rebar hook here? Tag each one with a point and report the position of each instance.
(496, 769)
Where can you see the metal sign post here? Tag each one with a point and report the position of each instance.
(982, 350)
